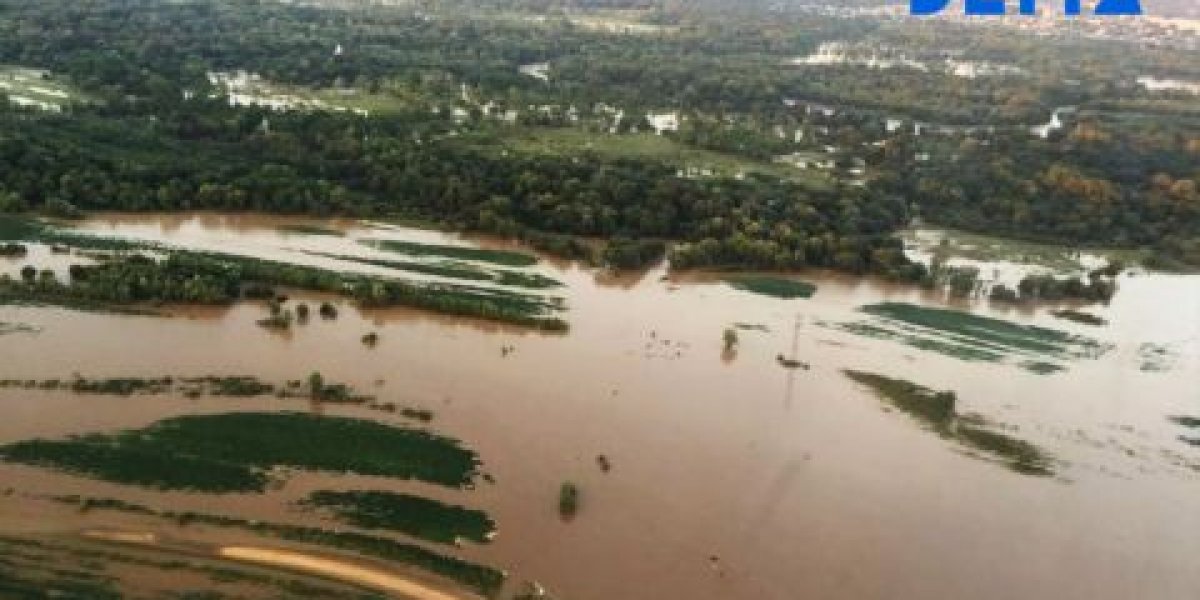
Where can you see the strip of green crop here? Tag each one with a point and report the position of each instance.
(970, 337)
(419, 517)
(1026, 338)
(776, 287)
(234, 452)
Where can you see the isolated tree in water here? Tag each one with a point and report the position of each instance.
(731, 339)
(316, 384)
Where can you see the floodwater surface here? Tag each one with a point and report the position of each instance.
(732, 476)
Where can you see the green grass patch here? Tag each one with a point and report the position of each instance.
(412, 515)
(571, 142)
(235, 452)
(507, 258)
(776, 287)
(37, 86)
(937, 411)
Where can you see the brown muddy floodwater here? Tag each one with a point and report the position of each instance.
(731, 478)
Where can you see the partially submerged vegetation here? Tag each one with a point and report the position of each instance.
(1048, 288)
(7, 328)
(218, 386)
(302, 229)
(1157, 358)
(1080, 317)
(482, 579)
(10, 250)
(242, 452)
(506, 258)
(27, 228)
(412, 515)
(194, 387)
(455, 270)
(69, 570)
(938, 412)
(973, 337)
(776, 287)
(240, 386)
(129, 281)
(1058, 258)
(568, 500)
(1188, 423)
(730, 339)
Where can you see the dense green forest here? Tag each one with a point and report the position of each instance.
(434, 94)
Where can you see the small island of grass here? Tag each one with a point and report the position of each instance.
(938, 412)
(776, 287)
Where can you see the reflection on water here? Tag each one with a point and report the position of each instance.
(718, 489)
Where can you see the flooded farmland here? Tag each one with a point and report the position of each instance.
(761, 470)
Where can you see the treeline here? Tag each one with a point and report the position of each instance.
(1099, 183)
(710, 62)
(325, 163)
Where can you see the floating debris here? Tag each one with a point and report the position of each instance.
(790, 363)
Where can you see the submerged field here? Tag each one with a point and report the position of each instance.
(70, 569)
(478, 578)
(132, 276)
(970, 337)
